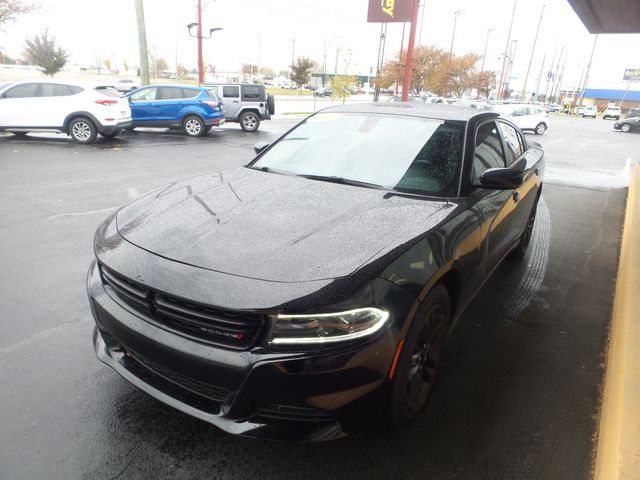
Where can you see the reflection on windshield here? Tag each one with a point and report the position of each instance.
(396, 152)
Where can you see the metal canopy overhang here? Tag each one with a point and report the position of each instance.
(608, 16)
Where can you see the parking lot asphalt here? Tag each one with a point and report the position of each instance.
(519, 391)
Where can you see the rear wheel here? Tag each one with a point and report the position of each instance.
(540, 128)
(82, 130)
(420, 358)
(521, 250)
(249, 121)
(193, 126)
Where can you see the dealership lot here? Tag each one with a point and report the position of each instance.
(519, 391)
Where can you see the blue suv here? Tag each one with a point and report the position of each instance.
(194, 109)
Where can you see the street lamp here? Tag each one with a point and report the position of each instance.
(199, 36)
(456, 14)
(484, 56)
(324, 62)
(535, 40)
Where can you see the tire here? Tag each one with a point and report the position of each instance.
(82, 130)
(520, 251)
(540, 128)
(625, 127)
(271, 104)
(19, 135)
(249, 121)
(193, 126)
(418, 363)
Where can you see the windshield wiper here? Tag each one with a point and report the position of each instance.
(344, 181)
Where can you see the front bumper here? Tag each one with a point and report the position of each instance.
(307, 396)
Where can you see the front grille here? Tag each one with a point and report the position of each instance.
(237, 330)
(293, 414)
(213, 392)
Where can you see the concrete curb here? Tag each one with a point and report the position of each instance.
(618, 450)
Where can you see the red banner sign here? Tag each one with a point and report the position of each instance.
(389, 11)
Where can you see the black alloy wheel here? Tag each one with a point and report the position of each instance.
(520, 251)
(421, 353)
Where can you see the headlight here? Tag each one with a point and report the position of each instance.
(323, 328)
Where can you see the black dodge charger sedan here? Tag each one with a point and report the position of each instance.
(309, 294)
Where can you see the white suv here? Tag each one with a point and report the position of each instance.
(50, 105)
(527, 117)
(612, 112)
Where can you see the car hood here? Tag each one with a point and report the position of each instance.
(275, 227)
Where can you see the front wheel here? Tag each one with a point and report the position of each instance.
(421, 353)
(193, 126)
(249, 121)
(540, 128)
(82, 130)
(625, 127)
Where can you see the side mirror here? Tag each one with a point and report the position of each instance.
(260, 147)
(501, 178)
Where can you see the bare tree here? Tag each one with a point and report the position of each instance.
(10, 9)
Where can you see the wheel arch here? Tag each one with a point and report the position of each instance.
(72, 116)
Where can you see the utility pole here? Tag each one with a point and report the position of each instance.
(556, 78)
(506, 53)
(544, 58)
(533, 49)
(199, 38)
(142, 44)
(293, 56)
(456, 14)
(586, 77)
(412, 40)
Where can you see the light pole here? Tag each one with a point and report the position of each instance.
(484, 56)
(199, 36)
(533, 49)
(456, 14)
(506, 53)
(324, 62)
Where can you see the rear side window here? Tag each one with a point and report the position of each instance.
(213, 93)
(54, 90)
(534, 111)
(144, 94)
(250, 92)
(189, 93)
(169, 93)
(521, 112)
(513, 143)
(488, 152)
(231, 91)
(26, 90)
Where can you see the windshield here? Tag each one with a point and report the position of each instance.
(396, 152)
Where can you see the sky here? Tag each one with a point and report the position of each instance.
(270, 33)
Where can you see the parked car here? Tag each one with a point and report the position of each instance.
(76, 109)
(612, 112)
(554, 107)
(322, 92)
(192, 108)
(377, 224)
(590, 111)
(244, 103)
(125, 85)
(577, 110)
(527, 117)
(628, 124)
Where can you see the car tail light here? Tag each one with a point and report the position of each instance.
(106, 102)
(211, 103)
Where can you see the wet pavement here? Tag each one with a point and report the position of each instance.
(518, 395)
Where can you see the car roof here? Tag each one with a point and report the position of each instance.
(424, 110)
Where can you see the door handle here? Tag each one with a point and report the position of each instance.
(516, 196)
(236, 101)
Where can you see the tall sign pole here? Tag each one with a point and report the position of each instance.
(412, 40)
